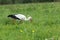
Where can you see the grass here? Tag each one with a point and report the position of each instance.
(45, 25)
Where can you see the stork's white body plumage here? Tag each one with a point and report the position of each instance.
(21, 17)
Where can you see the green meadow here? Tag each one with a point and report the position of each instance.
(45, 24)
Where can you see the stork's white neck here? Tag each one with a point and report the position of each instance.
(27, 19)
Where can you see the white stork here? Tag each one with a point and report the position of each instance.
(20, 17)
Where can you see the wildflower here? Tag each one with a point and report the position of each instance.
(46, 39)
(28, 39)
(21, 30)
(33, 31)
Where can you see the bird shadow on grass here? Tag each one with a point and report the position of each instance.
(10, 22)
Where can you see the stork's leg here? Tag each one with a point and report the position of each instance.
(14, 21)
(20, 21)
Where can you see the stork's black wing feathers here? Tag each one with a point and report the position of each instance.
(13, 16)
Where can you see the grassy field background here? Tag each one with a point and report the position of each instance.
(45, 25)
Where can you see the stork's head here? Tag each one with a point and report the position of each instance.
(30, 18)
